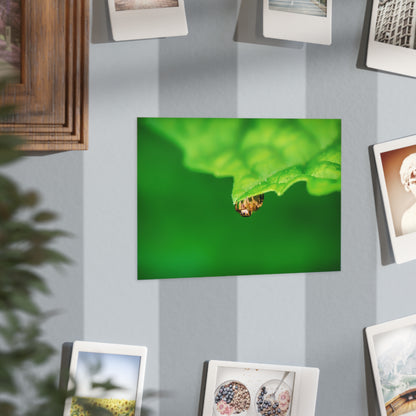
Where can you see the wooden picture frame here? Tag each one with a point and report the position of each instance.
(51, 99)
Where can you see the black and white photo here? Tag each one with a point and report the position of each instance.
(392, 39)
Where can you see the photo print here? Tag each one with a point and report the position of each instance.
(226, 197)
(106, 376)
(298, 20)
(392, 39)
(122, 5)
(309, 7)
(392, 347)
(10, 39)
(234, 388)
(396, 167)
(147, 19)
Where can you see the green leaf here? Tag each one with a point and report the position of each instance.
(262, 155)
(44, 216)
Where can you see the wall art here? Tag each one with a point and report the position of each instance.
(10, 39)
(46, 42)
(246, 389)
(299, 20)
(396, 168)
(221, 197)
(106, 376)
(392, 40)
(392, 348)
(146, 19)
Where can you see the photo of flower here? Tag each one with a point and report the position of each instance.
(105, 381)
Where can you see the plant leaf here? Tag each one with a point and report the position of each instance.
(262, 155)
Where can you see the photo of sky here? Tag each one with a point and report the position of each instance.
(121, 370)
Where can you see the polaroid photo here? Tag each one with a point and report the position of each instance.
(392, 348)
(298, 20)
(392, 40)
(108, 376)
(147, 19)
(245, 389)
(396, 169)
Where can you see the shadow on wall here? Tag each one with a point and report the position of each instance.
(386, 251)
(101, 27)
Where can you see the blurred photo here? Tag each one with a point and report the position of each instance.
(122, 5)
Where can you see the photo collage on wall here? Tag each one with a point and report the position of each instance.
(226, 197)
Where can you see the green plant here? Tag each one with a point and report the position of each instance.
(25, 247)
(26, 241)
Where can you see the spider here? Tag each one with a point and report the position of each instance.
(248, 205)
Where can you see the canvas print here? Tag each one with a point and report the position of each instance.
(396, 23)
(94, 370)
(222, 197)
(393, 354)
(247, 389)
(122, 5)
(309, 7)
(10, 38)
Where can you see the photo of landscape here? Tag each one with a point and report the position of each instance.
(123, 5)
(95, 370)
(396, 362)
(10, 38)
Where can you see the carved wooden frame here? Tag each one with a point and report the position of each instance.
(51, 100)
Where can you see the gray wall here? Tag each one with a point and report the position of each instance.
(208, 74)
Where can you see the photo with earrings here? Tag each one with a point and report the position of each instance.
(248, 389)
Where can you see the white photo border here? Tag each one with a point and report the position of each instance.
(304, 392)
(373, 331)
(404, 246)
(386, 57)
(104, 348)
(148, 23)
(297, 27)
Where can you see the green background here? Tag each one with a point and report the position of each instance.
(188, 227)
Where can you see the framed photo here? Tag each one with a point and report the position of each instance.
(106, 376)
(392, 348)
(396, 168)
(298, 20)
(246, 389)
(44, 48)
(392, 42)
(146, 19)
